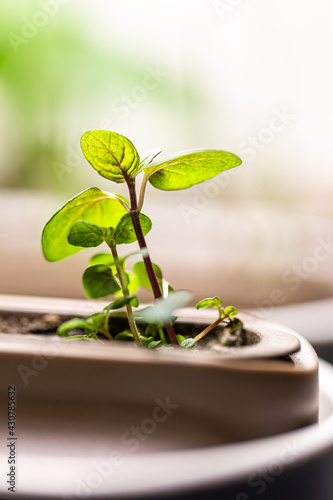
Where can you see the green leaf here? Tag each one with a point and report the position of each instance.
(145, 341)
(92, 205)
(85, 234)
(139, 269)
(125, 335)
(152, 330)
(189, 169)
(162, 309)
(95, 322)
(187, 344)
(112, 155)
(102, 258)
(154, 344)
(99, 281)
(71, 324)
(180, 338)
(211, 302)
(150, 342)
(124, 231)
(235, 324)
(122, 301)
(230, 311)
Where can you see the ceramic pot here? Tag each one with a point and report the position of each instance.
(90, 415)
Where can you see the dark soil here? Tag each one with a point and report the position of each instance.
(47, 324)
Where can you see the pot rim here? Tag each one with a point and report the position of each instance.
(274, 340)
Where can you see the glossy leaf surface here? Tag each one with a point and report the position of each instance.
(125, 233)
(92, 205)
(85, 234)
(189, 169)
(111, 154)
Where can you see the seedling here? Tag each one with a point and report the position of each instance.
(94, 217)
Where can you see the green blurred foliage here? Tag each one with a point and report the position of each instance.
(53, 79)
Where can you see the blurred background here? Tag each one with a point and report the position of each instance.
(251, 77)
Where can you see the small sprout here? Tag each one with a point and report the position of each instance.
(224, 314)
(94, 217)
(155, 330)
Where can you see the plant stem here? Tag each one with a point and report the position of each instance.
(124, 287)
(106, 326)
(208, 329)
(135, 215)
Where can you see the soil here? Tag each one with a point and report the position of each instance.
(218, 340)
(45, 324)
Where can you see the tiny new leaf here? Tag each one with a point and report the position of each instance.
(99, 281)
(125, 232)
(230, 311)
(211, 302)
(147, 157)
(111, 154)
(189, 169)
(125, 335)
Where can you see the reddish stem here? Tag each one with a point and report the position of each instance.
(146, 258)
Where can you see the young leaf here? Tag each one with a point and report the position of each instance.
(94, 322)
(189, 169)
(235, 324)
(85, 234)
(92, 205)
(125, 335)
(153, 330)
(71, 324)
(150, 342)
(147, 158)
(155, 344)
(211, 302)
(230, 311)
(122, 301)
(124, 231)
(98, 281)
(112, 155)
(140, 270)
